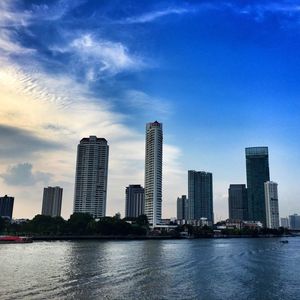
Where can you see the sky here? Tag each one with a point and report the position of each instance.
(220, 76)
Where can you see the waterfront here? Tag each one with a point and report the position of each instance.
(259, 268)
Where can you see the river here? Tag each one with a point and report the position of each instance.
(254, 268)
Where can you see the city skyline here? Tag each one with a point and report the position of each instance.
(220, 77)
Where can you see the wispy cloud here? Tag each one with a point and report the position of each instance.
(259, 11)
(9, 44)
(154, 15)
(99, 57)
(141, 101)
(102, 56)
(12, 14)
(55, 10)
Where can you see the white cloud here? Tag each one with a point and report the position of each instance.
(99, 57)
(9, 44)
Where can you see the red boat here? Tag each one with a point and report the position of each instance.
(14, 239)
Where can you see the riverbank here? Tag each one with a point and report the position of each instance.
(148, 237)
(104, 237)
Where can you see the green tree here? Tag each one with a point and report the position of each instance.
(78, 223)
(41, 224)
(142, 220)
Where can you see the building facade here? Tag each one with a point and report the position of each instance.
(238, 202)
(200, 195)
(284, 222)
(271, 202)
(257, 169)
(294, 222)
(153, 172)
(91, 176)
(6, 206)
(182, 208)
(135, 201)
(52, 199)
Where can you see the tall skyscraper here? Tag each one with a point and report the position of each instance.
(153, 172)
(257, 168)
(200, 195)
(182, 208)
(52, 199)
(271, 202)
(91, 176)
(135, 201)
(6, 206)
(237, 202)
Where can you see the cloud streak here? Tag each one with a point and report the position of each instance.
(259, 10)
(154, 15)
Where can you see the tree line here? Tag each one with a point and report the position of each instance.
(77, 224)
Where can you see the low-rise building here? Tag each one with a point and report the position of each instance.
(294, 222)
(284, 222)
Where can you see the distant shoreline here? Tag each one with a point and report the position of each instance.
(133, 238)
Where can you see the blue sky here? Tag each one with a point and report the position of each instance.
(220, 75)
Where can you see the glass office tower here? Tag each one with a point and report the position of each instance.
(238, 202)
(200, 195)
(257, 168)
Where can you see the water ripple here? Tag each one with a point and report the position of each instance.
(183, 269)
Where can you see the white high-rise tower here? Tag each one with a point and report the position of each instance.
(271, 202)
(153, 172)
(91, 176)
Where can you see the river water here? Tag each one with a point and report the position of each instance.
(155, 269)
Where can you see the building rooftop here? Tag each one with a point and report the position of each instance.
(252, 151)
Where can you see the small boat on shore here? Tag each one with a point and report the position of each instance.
(11, 239)
(284, 241)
